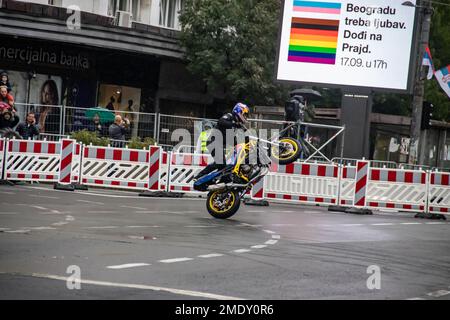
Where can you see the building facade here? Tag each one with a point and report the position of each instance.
(110, 50)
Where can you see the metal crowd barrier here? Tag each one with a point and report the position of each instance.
(359, 185)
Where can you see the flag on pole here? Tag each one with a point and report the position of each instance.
(443, 77)
(428, 61)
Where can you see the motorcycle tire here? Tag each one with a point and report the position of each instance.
(230, 208)
(297, 148)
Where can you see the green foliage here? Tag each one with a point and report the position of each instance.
(136, 143)
(88, 137)
(232, 46)
(440, 50)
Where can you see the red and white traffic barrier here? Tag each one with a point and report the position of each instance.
(347, 185)
(183, 169)
(399, 189)
(361, 179)
(303, 182)
(120, 168)
(439, 193)
(2, 154)
(28, 160)
(66, 162)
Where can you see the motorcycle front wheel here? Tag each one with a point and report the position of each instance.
(288, 151)
(222, 204)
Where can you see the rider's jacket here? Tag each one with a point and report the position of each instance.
(227, 121)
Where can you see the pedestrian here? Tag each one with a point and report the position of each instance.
(8, 118)
(4, 81)
(118, 130)
(28, 129)
(110, 105)
(96, 126)
(6, 97)
(202, 142)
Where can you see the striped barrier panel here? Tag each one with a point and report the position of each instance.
(361, 180)
(347, 185)
(76, 163)
(66, 162)
(404, 190)
(119, 168)
(183, 168)
(28, 160)
(439, 193)
(303, 182)
(2, 154)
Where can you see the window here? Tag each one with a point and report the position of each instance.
(168, 13)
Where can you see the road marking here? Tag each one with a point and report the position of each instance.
(284, 211)
(382, 224)
(211, 255)
(439, 293)
(410, 223)
(351, 225)
(70, 218)
(175, 260)
(136, 208)
(138, 286)
(276, 236)
(416, 299)
(61, 223)
(142, 226)
(105, 227)
(42, 228)
(38, 207)
(259, 246)
(18, 231)
(435, 223)
(250, 225)
(102, 212)
(45, 197)
(4, 229)
(93, 202)
(142, 238)
(271, 242)
(242, 250)
(268, 231)
(128, 265)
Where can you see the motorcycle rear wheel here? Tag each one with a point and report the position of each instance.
(223, 204)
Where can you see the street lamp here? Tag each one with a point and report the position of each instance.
(419, 85)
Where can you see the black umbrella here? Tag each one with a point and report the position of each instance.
(309, 94)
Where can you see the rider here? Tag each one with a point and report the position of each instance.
(229, 121)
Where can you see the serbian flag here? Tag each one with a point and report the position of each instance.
(428, 61)
(443, 77)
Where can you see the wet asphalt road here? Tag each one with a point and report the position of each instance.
(129, 247)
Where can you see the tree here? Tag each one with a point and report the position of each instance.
(232, 45)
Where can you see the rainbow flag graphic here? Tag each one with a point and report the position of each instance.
(317, 7)
(313, 40)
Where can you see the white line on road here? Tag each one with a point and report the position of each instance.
(105, 227)
(211, 255)
(128, 265)
(18, 231)
(136, 208)
(259, 246)
(271, 242)
(410, 223)
(439, 293)
(435, 223)
(175, 260)
(142, 226)
(42, 228)
(61, 223)
(276, 236)
(351, 225)
(382, 224)
(70, 218)
(139, 286)
(270, 232)
(39, 207)
(242, 250)
(415, 299)
(44, 197)
(93, 202)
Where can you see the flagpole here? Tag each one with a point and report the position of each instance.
(415, 156)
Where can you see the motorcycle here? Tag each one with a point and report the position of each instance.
(227, 186)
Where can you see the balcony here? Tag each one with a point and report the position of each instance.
(99, 29)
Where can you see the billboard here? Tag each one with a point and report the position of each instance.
(364, 43)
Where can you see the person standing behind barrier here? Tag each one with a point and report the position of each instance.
(6, 97)
(202, 142)
(118, 130)
(4, 80)
(28, 129)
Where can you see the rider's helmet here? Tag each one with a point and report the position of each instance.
(241, 112)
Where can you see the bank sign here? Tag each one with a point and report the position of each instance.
(363, 43)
